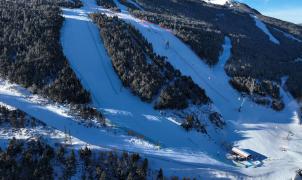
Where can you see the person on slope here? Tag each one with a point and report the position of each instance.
(167, 44)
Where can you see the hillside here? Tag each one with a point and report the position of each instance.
(203, 28)
(148, 89)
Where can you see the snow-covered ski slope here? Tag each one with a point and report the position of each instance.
(87, 55)
(257, 128)
(182, 163)
(56, 116)
(264, 29)
(190, 154)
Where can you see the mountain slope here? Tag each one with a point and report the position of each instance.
(96, 54)
(260, 50)
(181, 57)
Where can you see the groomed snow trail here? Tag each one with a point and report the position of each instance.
(265, 30)
(186, 154)
(256, 127)
(86, 53)
(182, 154)
(88, 58)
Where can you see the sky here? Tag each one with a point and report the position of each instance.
(288, 10)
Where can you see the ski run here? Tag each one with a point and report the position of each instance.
(275, 135)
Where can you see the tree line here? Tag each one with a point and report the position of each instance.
(144, 72)
(16, 118)
(31, 54)
(263, 89)
(148, 75)
(34, 159)
(200, 36)
(109, 4)
(253, 55)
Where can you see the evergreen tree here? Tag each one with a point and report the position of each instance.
(160, 175)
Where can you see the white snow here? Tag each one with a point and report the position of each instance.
(87, 56)
(7, 106)
(298, 60)
(100, 138)
(49, 135)
(218, 2)
(253, 126)
(162, 140)
(263, 28)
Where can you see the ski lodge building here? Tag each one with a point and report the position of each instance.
(241, 154)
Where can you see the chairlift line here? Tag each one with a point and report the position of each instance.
(193, 69)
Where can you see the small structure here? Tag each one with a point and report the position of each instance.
(245, 158)
(241, 154)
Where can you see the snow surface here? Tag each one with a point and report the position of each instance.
(275, 135)
(263, 28)
(7, 106)
(94, 68)
(256, 127)
(218, 2)
(49, 135)
(183, 161)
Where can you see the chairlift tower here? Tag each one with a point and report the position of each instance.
(251, 94)
(174, 23)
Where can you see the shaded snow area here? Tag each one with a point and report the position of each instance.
(256, 128)
(276, 136)
(84, 49)
(51, 136)
(176, 162)
(289, 36)
(263, 28)
(57, 116)
(135, 4)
